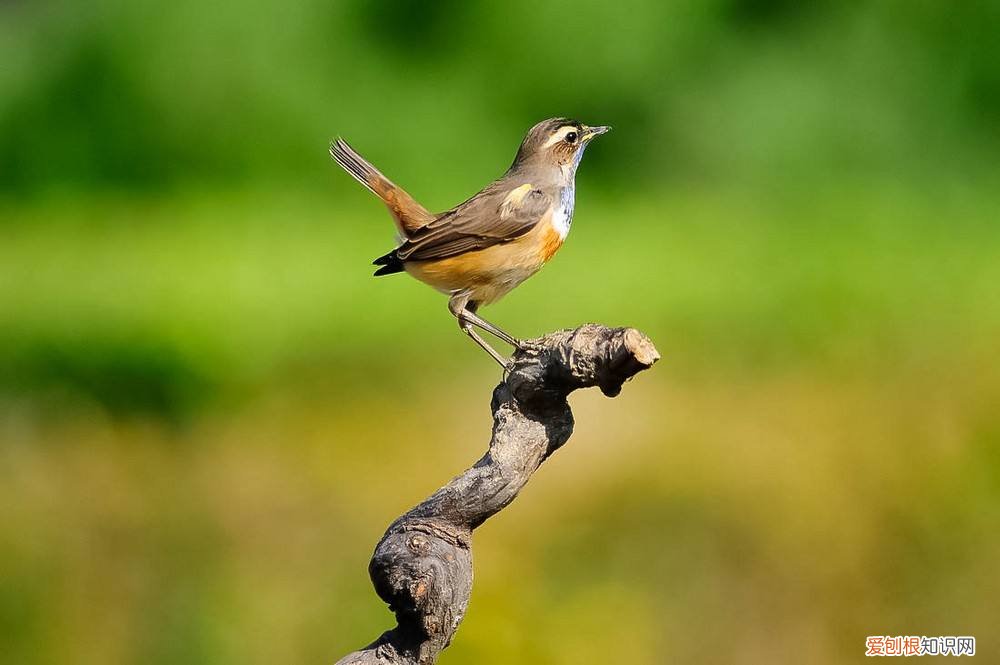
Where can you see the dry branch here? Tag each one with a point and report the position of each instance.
(422, 567)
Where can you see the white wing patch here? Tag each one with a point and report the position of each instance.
(513, 200)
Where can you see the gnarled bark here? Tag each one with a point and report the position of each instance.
(422, 567)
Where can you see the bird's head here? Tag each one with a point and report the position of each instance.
(556, 142)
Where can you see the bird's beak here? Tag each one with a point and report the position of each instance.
(591, 132)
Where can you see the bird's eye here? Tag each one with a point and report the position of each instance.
(571, 137)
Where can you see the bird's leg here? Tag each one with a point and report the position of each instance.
(467, 327)
(463, 309)
(476, 320)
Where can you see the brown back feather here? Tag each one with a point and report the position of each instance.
(489, 218)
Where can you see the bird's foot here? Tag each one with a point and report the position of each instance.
(527, 345)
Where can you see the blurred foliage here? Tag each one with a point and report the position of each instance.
(209, 410)
(148, 95)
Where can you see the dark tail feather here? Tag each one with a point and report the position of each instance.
(391, 263)
(359, 167)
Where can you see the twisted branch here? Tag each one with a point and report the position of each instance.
(422, 567)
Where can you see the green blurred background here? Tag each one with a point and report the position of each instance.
(209, 409)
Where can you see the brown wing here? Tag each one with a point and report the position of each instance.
(496, 215)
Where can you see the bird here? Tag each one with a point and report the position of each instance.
(480, 250)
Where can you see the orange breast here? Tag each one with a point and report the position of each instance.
(550, 241)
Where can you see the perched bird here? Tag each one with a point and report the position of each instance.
(481, 249)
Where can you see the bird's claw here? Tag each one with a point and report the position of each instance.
(526, 345)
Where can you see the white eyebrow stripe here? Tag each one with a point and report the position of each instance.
(559, 135)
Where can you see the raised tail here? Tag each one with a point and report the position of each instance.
(409, 214)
